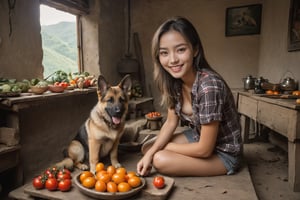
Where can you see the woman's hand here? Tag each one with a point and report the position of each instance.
(144, 166)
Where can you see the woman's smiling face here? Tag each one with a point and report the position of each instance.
(176, 54)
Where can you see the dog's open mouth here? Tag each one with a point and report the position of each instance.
(116, 120)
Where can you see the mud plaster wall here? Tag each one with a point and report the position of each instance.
(103, 38)
(275, 62)
(20, 53)
(233, 57)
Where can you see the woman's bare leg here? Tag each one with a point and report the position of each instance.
(174, 164)
(177, 138)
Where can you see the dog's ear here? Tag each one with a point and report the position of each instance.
(125, 84)
(102, 85)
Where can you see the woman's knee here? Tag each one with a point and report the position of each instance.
(160, 159)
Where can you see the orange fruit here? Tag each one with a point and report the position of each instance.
(129, 175)
(111, 187)
(134, 181)
(270, 92)
(99, 167)
(105, 177)
(84, 175)
(100, 173)
(124, 187)
(275, 92)
(89, 182)
(121, 170)
(118, 178)
(111, 170)
(100, 186)
(296, 93)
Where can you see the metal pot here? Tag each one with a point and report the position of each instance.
(288, 84)
(249, 83)
(258, 85)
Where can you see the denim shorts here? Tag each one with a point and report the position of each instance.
(231, 163)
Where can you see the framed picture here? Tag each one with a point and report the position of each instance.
(243, 20)
(294, 26)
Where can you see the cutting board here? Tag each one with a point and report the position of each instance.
(151, 192)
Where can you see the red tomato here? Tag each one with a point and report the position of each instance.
(50, 175)
(87, 83)
(159, 182)
(38, 183)
(47, 172)
(51, 184)
(64, 185)
(63, 175)
(63, 84)
(66, 171)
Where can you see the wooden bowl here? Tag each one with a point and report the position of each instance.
(56, 88)
(38, 89)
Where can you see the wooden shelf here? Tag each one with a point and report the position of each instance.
(9, 157)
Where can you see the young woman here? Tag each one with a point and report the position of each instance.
(195, 94)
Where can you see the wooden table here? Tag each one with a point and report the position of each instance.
(280, 115)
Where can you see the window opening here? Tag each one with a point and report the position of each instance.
(59, 41)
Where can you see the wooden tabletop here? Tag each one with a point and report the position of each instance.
(24, 98)
(287, 101)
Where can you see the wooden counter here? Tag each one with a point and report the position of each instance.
(280, 115)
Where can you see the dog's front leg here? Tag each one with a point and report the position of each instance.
(114, 155)
(94, 149)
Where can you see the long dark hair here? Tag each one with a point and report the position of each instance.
(168, 85)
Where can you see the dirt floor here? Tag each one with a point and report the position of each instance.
(268, 166)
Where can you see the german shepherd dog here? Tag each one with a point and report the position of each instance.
(100, 135)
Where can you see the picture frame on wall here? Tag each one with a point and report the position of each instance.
(294, 26)
(243, 20)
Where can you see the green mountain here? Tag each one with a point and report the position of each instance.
(59, 47)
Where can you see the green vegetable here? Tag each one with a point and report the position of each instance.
(15, 88)
(42, 84)
(5, 88)
(85, 73)
(24, 86)
(12, 80)
(60, 76)
(34, 81)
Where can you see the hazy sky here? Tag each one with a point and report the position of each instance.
(50, 15)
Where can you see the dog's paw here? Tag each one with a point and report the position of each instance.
(118, 165)
(82, 167)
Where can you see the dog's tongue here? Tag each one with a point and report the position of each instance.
(116, 120)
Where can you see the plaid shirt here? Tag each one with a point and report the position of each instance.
(212, 100)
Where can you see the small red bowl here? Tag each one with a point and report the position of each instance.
(56, 88)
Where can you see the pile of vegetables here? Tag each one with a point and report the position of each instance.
(76, 80)
(12, 85)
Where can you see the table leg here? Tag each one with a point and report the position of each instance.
(294, 165)
(245, 123)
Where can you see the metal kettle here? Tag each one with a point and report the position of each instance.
(249, 83)
(288, 84)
